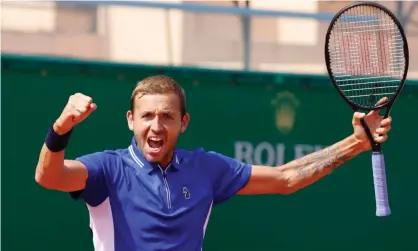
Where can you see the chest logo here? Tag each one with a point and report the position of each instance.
(186, 193)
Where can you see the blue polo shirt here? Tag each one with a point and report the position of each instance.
(137, 206)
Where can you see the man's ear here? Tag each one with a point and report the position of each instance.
(185, 122)
(130, 119)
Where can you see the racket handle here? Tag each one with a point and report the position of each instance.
(380, 186)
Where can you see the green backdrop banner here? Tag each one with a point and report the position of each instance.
(260, 118)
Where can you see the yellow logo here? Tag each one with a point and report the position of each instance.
(285, 112)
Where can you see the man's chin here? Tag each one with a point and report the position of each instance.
(154, 157)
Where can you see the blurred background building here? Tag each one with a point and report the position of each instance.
(278, 36)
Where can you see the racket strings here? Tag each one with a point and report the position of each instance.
(366, 55)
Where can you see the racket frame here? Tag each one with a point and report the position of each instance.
(388, 105)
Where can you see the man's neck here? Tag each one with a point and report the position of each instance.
(165, 163)
(164, 166)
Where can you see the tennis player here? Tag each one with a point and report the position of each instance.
(153, 196)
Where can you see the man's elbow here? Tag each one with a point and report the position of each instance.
(290, 190)
(291, 184)
(44, 180)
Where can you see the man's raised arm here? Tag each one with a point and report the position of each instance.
(52, 170)
(304, 171)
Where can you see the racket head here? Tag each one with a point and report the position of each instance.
(367, 56)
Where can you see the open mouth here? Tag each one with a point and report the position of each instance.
(155, 143)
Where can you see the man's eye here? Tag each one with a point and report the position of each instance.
(167, 116)
(146, 116)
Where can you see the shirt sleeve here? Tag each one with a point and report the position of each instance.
(228, 176)
(96, 189)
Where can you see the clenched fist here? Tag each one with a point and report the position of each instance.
(78, 108)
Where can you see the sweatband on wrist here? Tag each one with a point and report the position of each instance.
(56, 142)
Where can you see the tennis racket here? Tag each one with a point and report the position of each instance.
(366, 54)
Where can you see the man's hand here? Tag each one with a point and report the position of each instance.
(378, 126)
(78, 108)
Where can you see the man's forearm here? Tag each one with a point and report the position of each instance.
(51, 163)
(310, 168)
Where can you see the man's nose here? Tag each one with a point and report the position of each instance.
(156, 126)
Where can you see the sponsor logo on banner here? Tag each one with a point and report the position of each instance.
(285, 106)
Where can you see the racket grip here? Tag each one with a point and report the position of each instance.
(380, 186)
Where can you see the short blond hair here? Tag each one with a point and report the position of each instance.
(159, 84)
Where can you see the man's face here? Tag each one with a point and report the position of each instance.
(157, 123)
